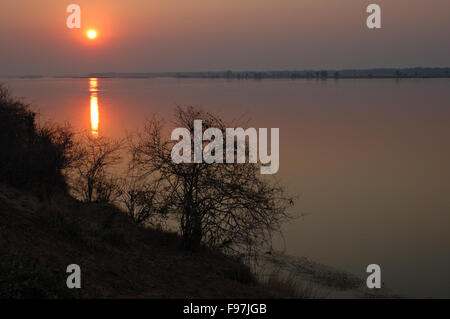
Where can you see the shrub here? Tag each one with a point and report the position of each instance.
(32, 157)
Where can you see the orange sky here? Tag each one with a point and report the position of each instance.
(200, 35)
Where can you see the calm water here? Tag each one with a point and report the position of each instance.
(368, 158)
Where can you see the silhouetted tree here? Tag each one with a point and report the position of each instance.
(143, 201)
(225, 206)
(89, 176)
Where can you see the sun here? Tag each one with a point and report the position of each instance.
(91, 34)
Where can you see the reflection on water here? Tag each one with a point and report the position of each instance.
(93, 90)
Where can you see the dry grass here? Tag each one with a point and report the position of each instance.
(118, 258)
(289, 286)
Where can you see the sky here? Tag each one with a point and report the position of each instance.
(208, 35)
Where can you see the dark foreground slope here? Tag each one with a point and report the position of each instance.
(118, 258)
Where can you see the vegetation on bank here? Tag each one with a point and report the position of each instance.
(60, 204)
(118, 258)
(32, 157)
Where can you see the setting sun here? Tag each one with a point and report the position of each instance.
(92, 34)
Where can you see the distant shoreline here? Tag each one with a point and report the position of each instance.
(380, 73)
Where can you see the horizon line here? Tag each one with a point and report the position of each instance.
(229, 71)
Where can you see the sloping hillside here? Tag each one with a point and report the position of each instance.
(118, 258)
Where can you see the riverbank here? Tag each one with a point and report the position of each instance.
(318, 280)
(120, 259)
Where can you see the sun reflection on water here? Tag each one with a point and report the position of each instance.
(93, 90)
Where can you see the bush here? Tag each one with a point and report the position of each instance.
(89, 176)
(31, 157)
(228, 207)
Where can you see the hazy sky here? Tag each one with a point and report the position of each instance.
(200, 35)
